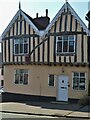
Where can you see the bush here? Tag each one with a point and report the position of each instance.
(85, 100)
(89, 89)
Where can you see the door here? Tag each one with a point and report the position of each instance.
(62, 94)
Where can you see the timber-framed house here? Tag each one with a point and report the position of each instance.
(47, 59)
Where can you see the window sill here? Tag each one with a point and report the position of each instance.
(65, 54)
(21, 54)
(79, 90)
(21, 84)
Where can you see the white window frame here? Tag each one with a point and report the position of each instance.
(79, 81)
(19, 46)
(62, 52)
(19, 76)
(54, 80)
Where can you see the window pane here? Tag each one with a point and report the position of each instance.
(75, 83)
(25, 40)
(71, 46)
(21, 71)
(59, 46)
(17, 41)
(82, 84)
(21, 48)
(25, 79)
(60, 38)
(76, 74)
(25, 71)
(82, 74)
(71, 37)
(17, 71)
(65, 46)
(82, 87)
(65, 37)
(16, 78)
(16, 49)
(25, 48)
(21, 78)
(82, 80)
(21, 41)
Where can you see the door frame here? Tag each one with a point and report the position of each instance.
(58, 86)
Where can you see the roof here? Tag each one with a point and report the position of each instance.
(41, 22)
(73, 13)
(41, 25)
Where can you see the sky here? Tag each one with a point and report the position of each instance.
(8, 9)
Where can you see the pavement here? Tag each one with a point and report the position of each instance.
(53, 109)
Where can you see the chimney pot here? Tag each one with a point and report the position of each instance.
(36, 15)
(46, 12)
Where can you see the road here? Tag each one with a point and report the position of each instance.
(6, 116)
(13, 115)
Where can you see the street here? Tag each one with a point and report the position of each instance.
(24, 116)
(43, 110)
(13, 115)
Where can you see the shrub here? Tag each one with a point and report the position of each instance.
(85, 100)
(89, 89)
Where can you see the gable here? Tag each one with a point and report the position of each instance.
(19, 25)
(66, 23)
(67, 20)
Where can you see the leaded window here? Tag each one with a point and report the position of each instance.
(21, 76)
(21, 46)
(79, 79)
(65, 44)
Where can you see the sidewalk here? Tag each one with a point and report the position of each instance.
(47, 109)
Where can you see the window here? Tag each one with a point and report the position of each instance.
(51, 80)
(79, 81)
(65, 44)
(21, 76)
(2, 83)
(21, 46)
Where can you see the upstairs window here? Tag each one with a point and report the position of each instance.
(20, 46)
(65, 44)
(21, 76)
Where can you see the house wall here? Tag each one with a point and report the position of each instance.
(44, 60)
(66, 24)
(38, 80)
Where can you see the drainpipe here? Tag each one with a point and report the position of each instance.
(88, 19)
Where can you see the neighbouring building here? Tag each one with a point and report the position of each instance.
(47, 59)
(1, 72)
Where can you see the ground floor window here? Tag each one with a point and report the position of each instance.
(21, 76)
(51, 80)
(2, 83)
(79, 79)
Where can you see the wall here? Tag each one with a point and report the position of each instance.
(38, 80)
(66, 24)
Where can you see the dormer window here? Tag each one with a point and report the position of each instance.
(65, 44)
(20, 46)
